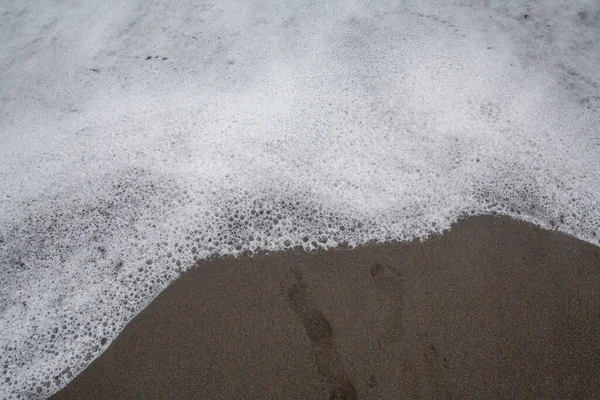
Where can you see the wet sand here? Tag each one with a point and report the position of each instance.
(495, 308)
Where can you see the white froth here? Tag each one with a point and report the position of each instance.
(139, 136)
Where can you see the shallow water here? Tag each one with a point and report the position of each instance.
(138, 137)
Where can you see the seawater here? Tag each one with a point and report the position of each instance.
(137, 137)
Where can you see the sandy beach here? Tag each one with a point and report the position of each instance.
(147, 146)
(495, 308)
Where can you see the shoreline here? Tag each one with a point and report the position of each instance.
(493, 308)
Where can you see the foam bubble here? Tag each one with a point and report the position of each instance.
(133, 146)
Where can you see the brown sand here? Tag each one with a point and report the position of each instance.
(493, 309)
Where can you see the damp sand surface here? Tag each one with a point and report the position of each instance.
(494, 308)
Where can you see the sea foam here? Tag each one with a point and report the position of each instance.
(138, 137)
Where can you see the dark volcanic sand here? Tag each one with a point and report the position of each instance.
(493, 309)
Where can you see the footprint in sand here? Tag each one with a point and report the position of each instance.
(322, 339)
(389, 281)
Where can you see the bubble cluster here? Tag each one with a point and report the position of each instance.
(133, 147)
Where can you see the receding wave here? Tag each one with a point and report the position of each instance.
(138, 138)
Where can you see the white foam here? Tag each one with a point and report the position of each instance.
(267, 125)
